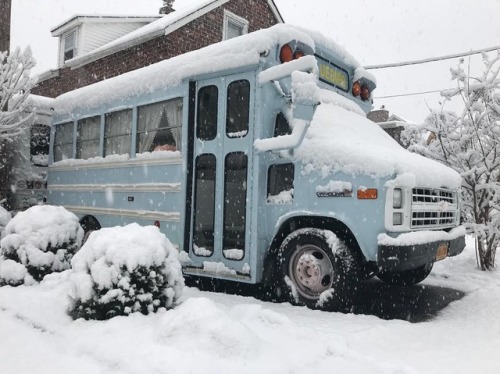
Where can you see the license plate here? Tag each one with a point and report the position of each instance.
(442, 251)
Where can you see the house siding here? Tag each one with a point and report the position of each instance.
(95, 35)
(199, 33)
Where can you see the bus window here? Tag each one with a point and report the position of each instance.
(280, 179)
(235, 196)
(63, 142)
(208, 97)
(88, 137)
(159, 126)
(204, 205)
(117, 132)
(238, 109)
(282, 127)
(39, 144)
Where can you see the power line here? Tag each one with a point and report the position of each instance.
(408, 94)
(431, 59)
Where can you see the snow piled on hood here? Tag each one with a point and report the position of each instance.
(341, 139)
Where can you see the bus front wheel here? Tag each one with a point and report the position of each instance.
(311, 268)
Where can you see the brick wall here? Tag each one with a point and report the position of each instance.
(199, 33)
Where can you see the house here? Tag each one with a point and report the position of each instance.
(93, 48)
(391, 124)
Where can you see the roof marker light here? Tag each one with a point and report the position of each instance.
(365, 92)
(356, 89)
(286, 53)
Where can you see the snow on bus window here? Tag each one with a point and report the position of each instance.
(159, 126)
(63, 143)
(117, 132)
(238, 109)
(87, 138)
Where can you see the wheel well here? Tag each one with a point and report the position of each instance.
(89, 223)
(324, 223)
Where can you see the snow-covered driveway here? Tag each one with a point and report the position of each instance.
(219, 333)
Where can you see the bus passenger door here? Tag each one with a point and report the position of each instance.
(221, 146)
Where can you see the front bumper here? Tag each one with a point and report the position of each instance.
(394, 257)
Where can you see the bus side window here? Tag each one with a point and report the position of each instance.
(117, 132)
(208, 98)
(281, 127)
(39, 144)
(63, 142)
(87, 137)
(280, 179)
(159, 126)
(238, 109)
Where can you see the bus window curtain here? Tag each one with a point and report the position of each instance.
(149, 121)
(174, 116)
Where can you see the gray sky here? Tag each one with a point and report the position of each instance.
(375, 32)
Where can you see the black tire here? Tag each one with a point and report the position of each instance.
(89, 224)
(307, 266)
(406, 277)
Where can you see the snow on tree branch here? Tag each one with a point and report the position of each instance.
(469, 142)
(15, 86)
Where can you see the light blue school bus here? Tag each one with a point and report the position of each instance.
(255, 158)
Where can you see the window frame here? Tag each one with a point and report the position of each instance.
(81, 143)
(231, 18)
(69, 124)
(65, 49)
(141, 134)
(243, 111)
(127, 131)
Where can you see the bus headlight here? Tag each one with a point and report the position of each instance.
(397, 198)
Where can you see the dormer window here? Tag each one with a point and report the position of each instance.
(234, 25)
(70, 45)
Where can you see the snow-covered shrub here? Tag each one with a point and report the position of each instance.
(121, 270)
(39, 241)
(5, 217)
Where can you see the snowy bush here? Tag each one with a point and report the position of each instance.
(122, 270)
(38, 241)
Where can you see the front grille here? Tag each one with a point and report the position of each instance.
(433, 208)
(428, 195)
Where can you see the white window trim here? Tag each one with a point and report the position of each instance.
(229, 16)
(63, 45)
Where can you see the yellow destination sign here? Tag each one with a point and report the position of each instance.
(333, 75)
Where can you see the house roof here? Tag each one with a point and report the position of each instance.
(190, 10)
(77, 20)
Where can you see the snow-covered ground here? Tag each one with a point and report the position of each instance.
(218, 333)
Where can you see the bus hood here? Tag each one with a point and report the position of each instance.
(341, 139)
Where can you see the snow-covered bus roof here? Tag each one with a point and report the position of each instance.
(230, 54)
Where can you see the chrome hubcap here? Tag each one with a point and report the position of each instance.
(311, 271)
